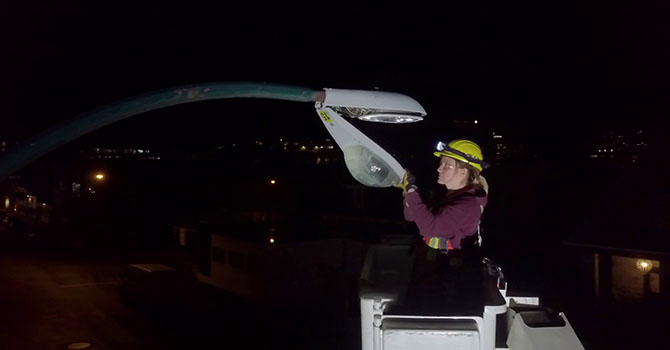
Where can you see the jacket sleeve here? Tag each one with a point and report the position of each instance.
(446, 223)
(407, 211)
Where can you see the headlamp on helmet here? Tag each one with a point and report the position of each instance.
(463, 150)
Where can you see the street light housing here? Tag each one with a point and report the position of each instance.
(367, 162)
(373, 106)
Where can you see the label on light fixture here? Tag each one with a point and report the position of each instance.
(325, 117)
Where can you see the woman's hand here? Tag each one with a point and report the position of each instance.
(408, 183)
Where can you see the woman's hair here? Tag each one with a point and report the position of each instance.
(474, 179)
(473, 173)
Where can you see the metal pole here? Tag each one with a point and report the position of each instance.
(59, 135)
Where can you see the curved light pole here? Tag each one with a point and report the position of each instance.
(373, 105)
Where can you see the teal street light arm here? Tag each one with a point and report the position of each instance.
(59, 135)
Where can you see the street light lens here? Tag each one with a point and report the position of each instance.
(380, 115)
(368, 168)
(100, 176)
(391, 118)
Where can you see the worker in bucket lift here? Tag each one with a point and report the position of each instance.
(450, 228)
(452, 224)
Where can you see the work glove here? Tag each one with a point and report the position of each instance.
(408, 182)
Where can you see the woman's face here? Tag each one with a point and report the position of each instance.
(450, 175)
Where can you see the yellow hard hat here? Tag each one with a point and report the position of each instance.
(463, 150)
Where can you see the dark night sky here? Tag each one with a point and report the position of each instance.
(550, 68)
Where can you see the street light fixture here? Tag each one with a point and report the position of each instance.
(367, 162)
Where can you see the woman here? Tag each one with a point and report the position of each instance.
(452, 224)
(449, 258)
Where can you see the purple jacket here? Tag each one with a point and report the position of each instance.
(454, 220)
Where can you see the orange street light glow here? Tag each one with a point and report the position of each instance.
(272, 182)
(100, 176)
(644, 265)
